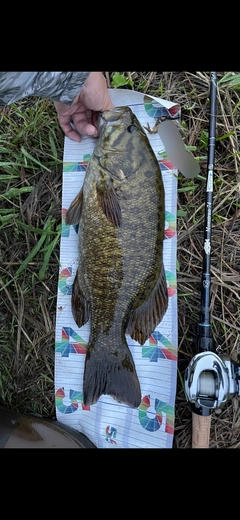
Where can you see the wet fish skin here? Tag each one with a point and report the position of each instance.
(120, 283)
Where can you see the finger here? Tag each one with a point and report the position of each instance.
(85, 124)
(85, 128)
(70, 132)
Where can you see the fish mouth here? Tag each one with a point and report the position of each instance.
(110, 116)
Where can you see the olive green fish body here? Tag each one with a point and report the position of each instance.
(120, 283)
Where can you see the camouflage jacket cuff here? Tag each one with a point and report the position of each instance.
(70, 87)
(57, 86)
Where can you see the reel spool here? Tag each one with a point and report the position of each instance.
(210, 381)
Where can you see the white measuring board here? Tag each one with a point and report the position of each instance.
(107, 423)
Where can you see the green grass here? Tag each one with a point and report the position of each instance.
(31, 148)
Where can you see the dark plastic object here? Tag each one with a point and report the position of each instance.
(31, 431)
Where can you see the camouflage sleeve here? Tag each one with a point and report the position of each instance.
(57, 86)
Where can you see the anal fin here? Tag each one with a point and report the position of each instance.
(145, 318)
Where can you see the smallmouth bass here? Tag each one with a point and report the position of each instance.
(120, 283)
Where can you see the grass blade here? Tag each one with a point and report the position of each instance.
(35, 249)
(15, 192)
(48, 254)
(29, 156)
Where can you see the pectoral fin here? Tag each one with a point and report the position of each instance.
(145, 318)
(75, 210)
(80, 306)
(109, 202)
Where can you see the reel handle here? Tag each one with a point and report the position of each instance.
(201, 425)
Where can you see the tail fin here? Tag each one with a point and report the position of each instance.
(111, 373)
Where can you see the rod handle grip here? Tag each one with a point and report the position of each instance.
(200, 430)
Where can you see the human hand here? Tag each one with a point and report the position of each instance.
(92, 99)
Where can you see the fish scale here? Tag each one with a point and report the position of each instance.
(120, 283)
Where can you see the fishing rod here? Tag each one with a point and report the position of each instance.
(210, 379)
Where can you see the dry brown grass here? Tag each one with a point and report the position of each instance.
(28, 302)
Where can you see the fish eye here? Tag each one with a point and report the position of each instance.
(131, 128)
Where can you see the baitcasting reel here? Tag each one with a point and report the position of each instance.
(210, 380)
